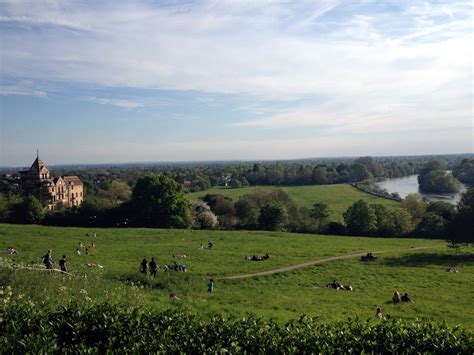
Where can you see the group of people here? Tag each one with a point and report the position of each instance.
(257, 257)
(152, 266)
(368, 257)
(84, 249)
(49, 263)
(209, 245)
(12, 251)
(338, 286)
(396, 298)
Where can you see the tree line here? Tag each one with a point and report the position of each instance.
(201, 176)
(159, 201)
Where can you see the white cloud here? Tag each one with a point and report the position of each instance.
(123, 103)
(378, 71)
(22, 88)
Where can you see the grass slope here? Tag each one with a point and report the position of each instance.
(439, 295)
(339, 197)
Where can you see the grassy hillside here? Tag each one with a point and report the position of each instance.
(439, 295)
(338, 197)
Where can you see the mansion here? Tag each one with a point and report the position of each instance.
(54, 192)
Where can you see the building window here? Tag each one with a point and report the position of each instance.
(72, 187)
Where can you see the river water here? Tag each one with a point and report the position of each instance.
(409, 184)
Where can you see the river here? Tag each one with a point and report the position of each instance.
(409, 184)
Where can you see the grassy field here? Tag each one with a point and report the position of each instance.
(438, 295)
(338, 197)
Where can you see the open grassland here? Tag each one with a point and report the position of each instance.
(438, 295)
(338, 197)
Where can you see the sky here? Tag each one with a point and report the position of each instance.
(145, 81)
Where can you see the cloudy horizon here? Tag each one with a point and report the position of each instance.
(112, 82)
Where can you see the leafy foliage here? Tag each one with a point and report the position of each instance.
(434, 178)
(273, 217)
(360, 218)
(158, 201)
(462, 227)
(30, 210)
(465, 172)
(104, 328)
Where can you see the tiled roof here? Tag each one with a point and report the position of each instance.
(72, 179)
(37, 165)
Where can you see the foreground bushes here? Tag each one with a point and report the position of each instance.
(104, 328)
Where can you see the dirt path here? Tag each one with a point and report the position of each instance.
(315, 262)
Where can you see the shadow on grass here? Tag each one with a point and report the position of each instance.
(424, 259)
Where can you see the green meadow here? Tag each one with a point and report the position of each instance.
(438, 295)
(338, 197)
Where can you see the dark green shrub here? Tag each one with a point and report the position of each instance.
(103, 328)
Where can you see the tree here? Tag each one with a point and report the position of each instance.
(30, 210)
(375, 168)
(442, 209)
(259, 197)
(235, 183)
(320, 213)
(415, 205)
(222, 207)
(273, 217)
(359, 172)
(247, 212)
(431, 225)
(320, 175)
(384, 220)
(433, 165)
(360, 218)
(244, 181)
(158, 201)
(401, 221)
(438, 181)
(8, 203)
(203, 216)
(461, 230)
(465, 172)
(117, 193)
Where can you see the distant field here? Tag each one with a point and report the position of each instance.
(439, 295)
(339, 197)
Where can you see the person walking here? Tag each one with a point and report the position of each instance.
(153, 267)
(48, 259)
(210, 286)
(143, 266)
(63, 264)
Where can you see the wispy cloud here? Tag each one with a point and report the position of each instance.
(22, 88)
(381, 67)
(123, 103)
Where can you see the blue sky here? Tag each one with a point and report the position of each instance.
(109, 81)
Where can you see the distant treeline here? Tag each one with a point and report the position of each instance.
(202, 176)
(159, 201)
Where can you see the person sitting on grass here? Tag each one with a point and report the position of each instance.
(176, 266)
(396, 297)
(143, 266)
(379, 313)
(62, 264)
(406, 298)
